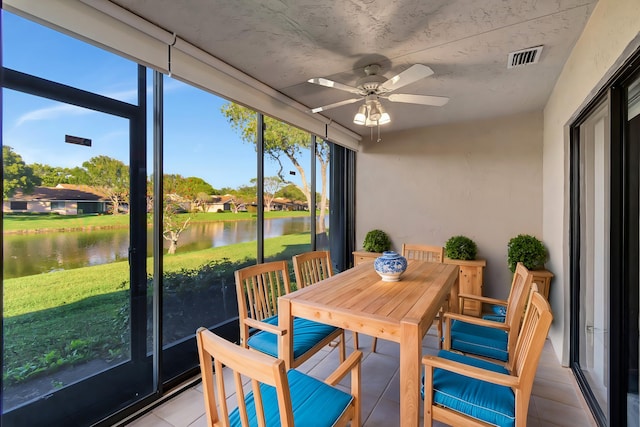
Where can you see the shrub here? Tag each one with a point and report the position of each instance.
(460, 247)
(376, 241)
(528, 250)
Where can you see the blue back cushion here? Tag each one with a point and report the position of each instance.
(479, 340)
(491, 403)
(314, 403)
(306, 334)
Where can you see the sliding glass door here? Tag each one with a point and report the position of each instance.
(592, 352)
(605, 241)
(74, 236)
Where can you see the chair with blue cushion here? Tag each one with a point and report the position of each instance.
(461, 390)
(486, 338)
(266, 394)
(258, 288)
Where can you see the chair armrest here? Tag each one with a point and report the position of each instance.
(352, 362)
(485, 300)
(476, 321)
(471, 371)
(267, 327)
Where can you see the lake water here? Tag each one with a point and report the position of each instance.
(27, 254)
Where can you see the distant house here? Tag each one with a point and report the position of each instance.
(64, 199)
(220, 203)
(282, 204)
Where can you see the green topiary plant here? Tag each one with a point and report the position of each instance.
(460, 247)
(376, 241)
(528, 250)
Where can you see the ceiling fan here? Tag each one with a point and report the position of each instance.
(373, 87)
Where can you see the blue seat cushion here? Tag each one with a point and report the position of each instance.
(499, 314)
(306, 334)
(479, 340)
(314, 403)
(491, 403)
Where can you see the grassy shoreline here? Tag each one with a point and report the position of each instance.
(49, 223)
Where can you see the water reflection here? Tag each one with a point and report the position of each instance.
(27, 254)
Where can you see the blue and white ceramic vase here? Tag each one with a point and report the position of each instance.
(390, 266)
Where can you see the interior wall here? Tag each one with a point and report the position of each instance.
(610, 37)
(481, 179)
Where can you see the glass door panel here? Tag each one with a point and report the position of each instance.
(594, 253)
(209, 221)
(66, 276)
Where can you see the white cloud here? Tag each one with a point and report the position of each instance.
(50, 113)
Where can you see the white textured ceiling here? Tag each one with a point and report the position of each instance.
(466, 43)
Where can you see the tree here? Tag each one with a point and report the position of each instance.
(280, 139)
(16, 174)
(291, 192)
(173, 224)
(195, 191)
(242, 196)
(271, 185)
(176, 193)
(54, 175)
(111, 176)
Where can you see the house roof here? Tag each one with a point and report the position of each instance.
(63, 192)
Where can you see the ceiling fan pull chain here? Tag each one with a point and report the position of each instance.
(379, 139)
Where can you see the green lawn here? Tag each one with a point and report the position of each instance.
(66, 317)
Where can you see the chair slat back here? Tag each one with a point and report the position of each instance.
(516, 303)
(258, 288)
(311, 267)
(535, 327)
(423, 252)
(244, 363)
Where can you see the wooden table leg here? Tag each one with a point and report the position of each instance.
(454, 304)
(410, 355)
(285, 321)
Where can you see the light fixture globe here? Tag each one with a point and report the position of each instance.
(361, 116)
(374, 111)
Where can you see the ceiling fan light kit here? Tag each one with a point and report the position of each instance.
(373, 87)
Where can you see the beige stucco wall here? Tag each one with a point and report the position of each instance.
(610, 36)
(481, 179)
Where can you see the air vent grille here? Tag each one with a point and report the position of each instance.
(524, 57)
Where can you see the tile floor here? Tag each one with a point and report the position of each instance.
(555, 400)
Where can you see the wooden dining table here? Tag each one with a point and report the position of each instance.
(403, 311)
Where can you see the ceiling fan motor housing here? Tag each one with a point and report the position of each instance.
(369, 84)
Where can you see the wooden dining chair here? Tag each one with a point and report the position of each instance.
(466, 391)
(276, 396)
(258, 288)
(487, 338)
(310, 268)
(423, 252)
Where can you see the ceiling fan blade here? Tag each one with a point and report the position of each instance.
(410, 75)
(436, 101)
(334, 105)
(330, 83)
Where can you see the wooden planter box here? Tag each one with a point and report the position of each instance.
(470, 282)
(364, 256)
(542, 278)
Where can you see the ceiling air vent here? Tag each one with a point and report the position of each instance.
(524, 57)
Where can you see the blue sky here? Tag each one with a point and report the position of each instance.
(198, 140)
